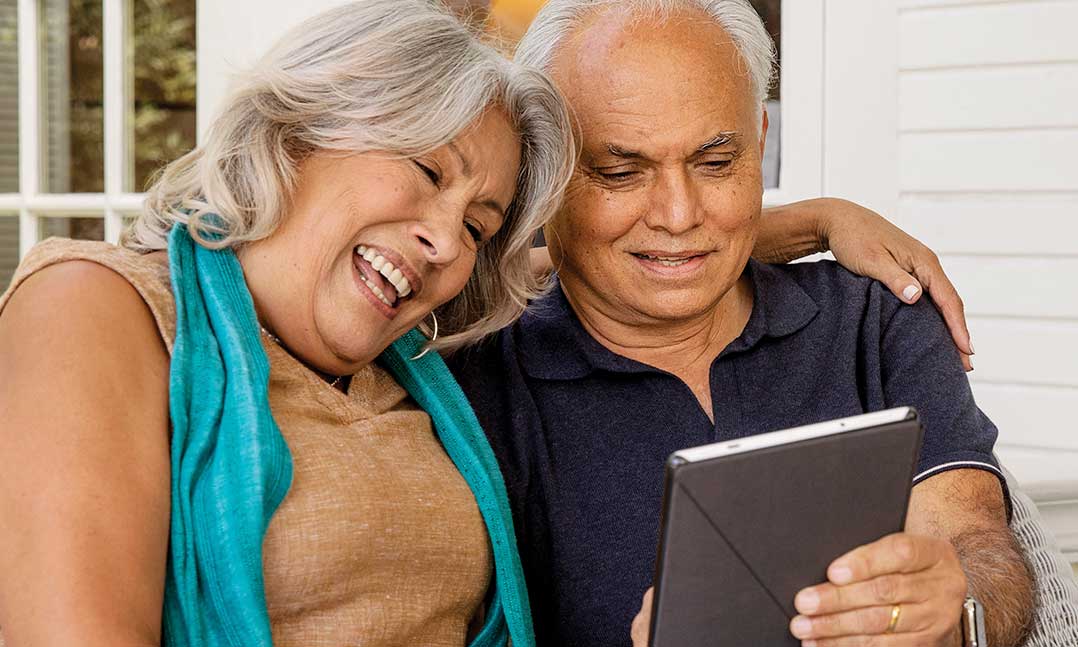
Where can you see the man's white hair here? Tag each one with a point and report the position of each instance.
(559, 19)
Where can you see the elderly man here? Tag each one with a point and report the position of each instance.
(664, 334)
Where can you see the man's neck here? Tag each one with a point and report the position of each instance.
(685, 348)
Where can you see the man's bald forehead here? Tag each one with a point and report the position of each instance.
(552, 42)
(619, 56)
(607, 30)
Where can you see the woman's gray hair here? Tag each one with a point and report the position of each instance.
(403, 76)
(559, 19)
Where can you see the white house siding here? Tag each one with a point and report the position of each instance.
(988, 177)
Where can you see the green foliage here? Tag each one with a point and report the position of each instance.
(163, 71)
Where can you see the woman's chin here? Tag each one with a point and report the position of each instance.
(349, 350)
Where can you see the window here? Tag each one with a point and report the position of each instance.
(96, 95)
(771, 12)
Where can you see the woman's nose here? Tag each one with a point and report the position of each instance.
(439, 238)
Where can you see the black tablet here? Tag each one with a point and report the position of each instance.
(748, 523)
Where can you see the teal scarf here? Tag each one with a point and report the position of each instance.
(231, 467)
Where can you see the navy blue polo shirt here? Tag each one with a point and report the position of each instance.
(582, 433)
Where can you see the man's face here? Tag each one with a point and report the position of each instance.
(660, 217)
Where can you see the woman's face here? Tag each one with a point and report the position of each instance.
(372, 243)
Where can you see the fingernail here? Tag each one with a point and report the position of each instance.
(841, 574)
(808, 643)
(807, 601)
(801, 627)
(910, 292)
(971, 351)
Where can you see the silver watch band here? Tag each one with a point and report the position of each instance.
(973, 624)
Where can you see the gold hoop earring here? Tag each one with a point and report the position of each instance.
(432, 337)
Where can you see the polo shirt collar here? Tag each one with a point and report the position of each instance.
(555, 346)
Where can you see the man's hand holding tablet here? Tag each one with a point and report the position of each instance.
(745, 521)
(906, 585)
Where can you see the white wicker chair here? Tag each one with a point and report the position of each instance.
(1056, 622)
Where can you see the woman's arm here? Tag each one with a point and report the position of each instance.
(84, 486)
(865, 243)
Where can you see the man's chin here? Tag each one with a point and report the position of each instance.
(674, 310)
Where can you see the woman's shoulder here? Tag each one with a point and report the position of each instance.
(97, 274)
(84, 305)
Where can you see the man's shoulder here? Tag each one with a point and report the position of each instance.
(827, 279)
(480, 361)
(844, 297)
(836, 289)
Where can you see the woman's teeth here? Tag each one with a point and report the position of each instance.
(386, 269)
(377, 291)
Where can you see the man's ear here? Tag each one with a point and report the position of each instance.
(763, 130)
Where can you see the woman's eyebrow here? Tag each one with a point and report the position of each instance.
(494, 206)
(465, 166)
(466, 171)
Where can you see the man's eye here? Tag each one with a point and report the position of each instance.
(717, 165)
(431, 174)
(616, 176)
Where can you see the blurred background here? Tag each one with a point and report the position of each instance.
(956, 119)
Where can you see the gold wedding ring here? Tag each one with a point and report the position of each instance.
(896, 613)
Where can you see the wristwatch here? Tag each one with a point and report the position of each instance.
(973, 624)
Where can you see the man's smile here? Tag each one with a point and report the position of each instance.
(669, 263)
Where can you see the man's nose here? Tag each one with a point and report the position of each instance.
(439, 234)
(675, 204)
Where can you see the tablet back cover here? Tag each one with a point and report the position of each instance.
(742, 534)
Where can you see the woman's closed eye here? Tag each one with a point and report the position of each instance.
(432, 174)
(474, 230)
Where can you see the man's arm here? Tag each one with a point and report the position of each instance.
(966, 508)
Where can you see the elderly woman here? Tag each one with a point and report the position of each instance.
(374, 159)
(379, 165)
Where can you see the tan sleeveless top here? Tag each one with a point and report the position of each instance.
(379, 540)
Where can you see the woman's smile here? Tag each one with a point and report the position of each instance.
(386, 279)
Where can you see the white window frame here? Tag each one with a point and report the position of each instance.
(114, 204)
(802, 103)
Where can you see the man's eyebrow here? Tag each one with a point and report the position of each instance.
(721, 139)
(618, 151)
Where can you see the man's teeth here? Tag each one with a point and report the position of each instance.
(667, 261)
(386, 269)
